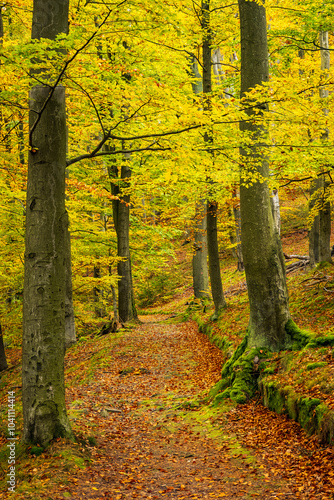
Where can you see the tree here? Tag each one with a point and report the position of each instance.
(43, 390)
(121, 216)
(212, 205)
(200, 257)
(3, 360)
(320, 209)
(261, 247)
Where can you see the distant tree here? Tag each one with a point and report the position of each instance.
(212, 204)
(3, 360)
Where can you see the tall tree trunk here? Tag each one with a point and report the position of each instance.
(261, 246)
(212, 205)
(121, 215)
(43, 389)
(213, 252)
(200, 257)
(237, 221)
(319, 205)
(276, 210)
(325, 211)
(324, 223)
(70, 333)
(3, 360)
(313, 235)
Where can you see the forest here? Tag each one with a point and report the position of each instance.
(166, 249)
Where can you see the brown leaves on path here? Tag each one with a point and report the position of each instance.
(154, 438)
(157, 438)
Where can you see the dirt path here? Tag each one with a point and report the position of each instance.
(155, 440)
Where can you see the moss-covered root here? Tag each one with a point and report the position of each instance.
(313, 415)
(240, 374)
(300, 339)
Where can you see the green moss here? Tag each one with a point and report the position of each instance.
(237, 353)
(221, 396)
(291, 403)
(36, 450)
(274, 398)
(313, 366)
(219, 387)
(299, 339)
(268, 371)
(321, 341)
(306, 415)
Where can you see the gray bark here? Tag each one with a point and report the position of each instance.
(70, 333)
(213, 252)
(50, 17)
(212, 206)
(3, 360)
(43, 346)
(200, 257)
(276, 210)
(261, 246)
(325, 212)
(121, 216)
(313, 235)
(324, 223)
(237, 232)
(43, 390)
(320, 231)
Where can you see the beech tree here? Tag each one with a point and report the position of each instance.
(320, 207)
(261, 246)
(212, 205)
(43, 391)
(200, 257)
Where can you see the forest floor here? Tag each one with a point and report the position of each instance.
(139, 396)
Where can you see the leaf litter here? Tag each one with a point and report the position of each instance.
(152, 434)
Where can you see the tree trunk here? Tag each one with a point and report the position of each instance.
(121, 216)
(43, 390)
(313, 235)
(43, 346)
(276, 210)
(213, 252)
(200, 257)
(320, 231)
(261, 246)
(324, 223)
(70, 334)
(212, 206)
(3, 360)
(237, 232)
(325, 211)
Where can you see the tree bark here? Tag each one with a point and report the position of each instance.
(70, 333)
(3, 360)
(324, 223)
(213, 252)
(313, 235)
(43, 346)
(261, 246)
(121, 215)
(200, 257)
(237, 232)
(43, 390)
(212, 206)
(325, 211)
(320, 231)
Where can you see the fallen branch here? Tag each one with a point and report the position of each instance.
(300, 257)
